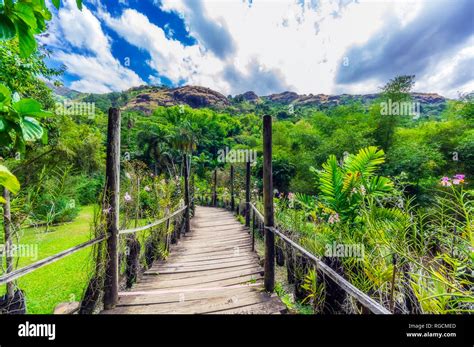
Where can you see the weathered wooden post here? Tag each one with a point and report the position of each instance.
(214, 189)
(247, 194)
(186, 195)
(269, 278)
(232, 199)
(112, 184)
(7, 221)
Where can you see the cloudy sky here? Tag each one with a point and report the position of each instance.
(268, 46)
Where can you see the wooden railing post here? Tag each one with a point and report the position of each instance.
(112, 177)
(269, 278)
(232, 199)
(186, 195)
(247, 194)
(8, 242)
(214, 190)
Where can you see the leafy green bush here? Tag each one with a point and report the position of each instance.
(56, 209)
(89, 188)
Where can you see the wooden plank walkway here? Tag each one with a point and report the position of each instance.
(211, 270)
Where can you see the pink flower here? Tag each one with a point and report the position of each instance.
(458, 179)
(127, 197)
(333, 218)
(445, 182)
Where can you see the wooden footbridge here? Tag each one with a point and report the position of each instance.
(212, 270)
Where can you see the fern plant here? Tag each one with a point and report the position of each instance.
(344, 186)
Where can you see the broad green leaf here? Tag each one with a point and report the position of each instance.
(26, 14)
(32, 129)
(7, 28)
(8, 180)
(24, 106)
(30, 107)
(5, 95)
(26, 39)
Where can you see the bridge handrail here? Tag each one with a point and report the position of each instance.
(11, 276)
(151, 225)
(345, 285)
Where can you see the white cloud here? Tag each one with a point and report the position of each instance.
(98, 71)
(169, 57)
(305, 43)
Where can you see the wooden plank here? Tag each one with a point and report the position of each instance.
(215, 256)
(174, 276)
(204, 250)
(215, 240)
(210, 261)
(199, 306)
(212, 245)
(163, 297)
(192, 281)
(217, 283)
(180, 269)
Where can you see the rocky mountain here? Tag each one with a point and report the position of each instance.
(197, 97)
(147, 98)
(287, 98)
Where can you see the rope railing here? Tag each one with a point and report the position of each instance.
(11, 276)
(151, 225)
(349, 288)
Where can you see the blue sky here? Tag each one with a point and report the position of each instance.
(268, 46)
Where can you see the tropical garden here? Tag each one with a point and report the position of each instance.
(398, 187)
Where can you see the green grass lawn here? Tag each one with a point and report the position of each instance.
(64, 280)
